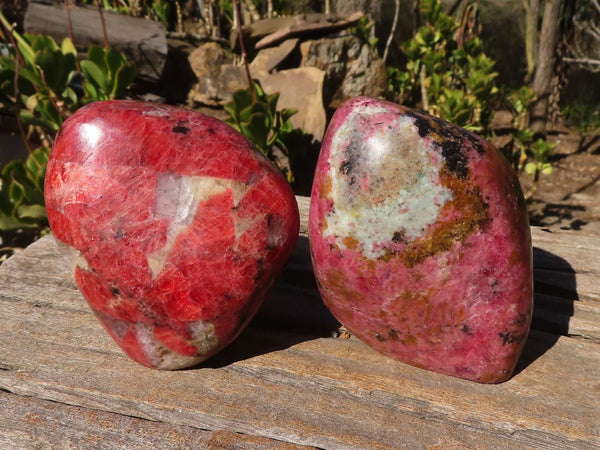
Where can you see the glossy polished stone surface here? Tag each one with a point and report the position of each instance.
(420, 241)
(176, 226)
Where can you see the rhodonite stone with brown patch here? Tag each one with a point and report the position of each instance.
(420, 241)
(177, 226)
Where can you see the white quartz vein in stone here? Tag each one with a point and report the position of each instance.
(177, 197)
(411, 208)
(202, 337)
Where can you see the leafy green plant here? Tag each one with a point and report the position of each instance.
(584, 115)
(154, 9)
(107, 74)
(541, 154)
(364, 31)
(455, 82)
(42, 83)
(162, 10)
(45, 74)
(226, 9)
(22, 192)
(519, 101)
(258, 119)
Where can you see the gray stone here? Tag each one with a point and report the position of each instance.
(382, 13)
(269, 58)
(269, 32)
(351, 68)
(217, 77)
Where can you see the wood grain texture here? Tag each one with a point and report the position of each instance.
(28, 422)
(286, 382)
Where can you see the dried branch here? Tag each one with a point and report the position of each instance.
(593, 30)
(104, 31)
(392, 31)
(422, 82)
(583, 61)
(532, 11)
(238, 21)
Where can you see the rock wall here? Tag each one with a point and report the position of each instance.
(503, 28)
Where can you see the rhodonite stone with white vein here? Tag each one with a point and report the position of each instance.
(420, 241)
(175, 224)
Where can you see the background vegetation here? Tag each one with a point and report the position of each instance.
(443, 69)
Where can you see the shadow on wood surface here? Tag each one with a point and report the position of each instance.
(292, 314)
(555, 291)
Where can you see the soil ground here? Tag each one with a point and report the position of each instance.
(569, 197)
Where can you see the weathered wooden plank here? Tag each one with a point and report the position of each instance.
(569, 254)
(28, 422)
(567, 317)
(287, 379)
(561, 305)
(315, 391)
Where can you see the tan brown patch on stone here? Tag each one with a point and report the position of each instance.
(322, 225)
(387, 256)
(350, 243)
(441, 236)
(325, 191)
(337, 283)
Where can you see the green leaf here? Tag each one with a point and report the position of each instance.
(95, 75)
(257, 130)
(96, 55)
(69, 96)
(162, 10)
(547, 169)
(232, 111)
(52, 63)
(8, 223)
(287, 113)
(92, 91)
(35, 166)
(20, 188)
(41, 42)
(242, 99)
(530, 168)
(35, 212)
(272, 102)
(16, 192)
(22, 43)
(258, 107)
(123, 78)
(114, 60)
(49, 115)
(31, 74)
(67, 47)
(258, 91)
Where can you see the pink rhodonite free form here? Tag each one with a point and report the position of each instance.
(176, 224)
(420, 241)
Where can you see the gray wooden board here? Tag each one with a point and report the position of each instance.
(286, 380)
(29, 422)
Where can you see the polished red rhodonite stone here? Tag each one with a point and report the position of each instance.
(420, 241)
(176, 225)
